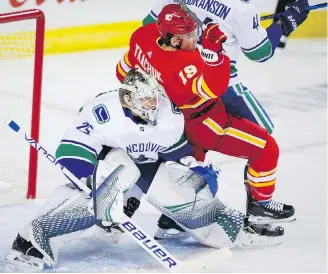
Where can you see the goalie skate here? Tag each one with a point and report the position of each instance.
(18, 262)
(108, 232)
(24, 257)
(169, 229)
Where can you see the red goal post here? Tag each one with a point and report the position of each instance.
(27, 45)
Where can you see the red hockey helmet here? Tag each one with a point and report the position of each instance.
(173, 19)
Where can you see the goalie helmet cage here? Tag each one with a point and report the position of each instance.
(39, 17)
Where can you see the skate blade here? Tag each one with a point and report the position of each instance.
(270, 241)
(162, 234)
(266, 220)
(17, 262)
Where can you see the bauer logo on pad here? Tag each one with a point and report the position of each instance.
(101, 114)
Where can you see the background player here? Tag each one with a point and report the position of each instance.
(195, 86)
(240, 22)
(257, 43)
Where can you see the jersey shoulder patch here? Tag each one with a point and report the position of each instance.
(101, 113)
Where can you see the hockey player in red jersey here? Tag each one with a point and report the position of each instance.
(194, 81)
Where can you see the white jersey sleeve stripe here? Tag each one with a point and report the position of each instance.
(266, 58)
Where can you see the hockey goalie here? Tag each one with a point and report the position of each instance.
(120, 138)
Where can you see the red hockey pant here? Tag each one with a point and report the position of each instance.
(232, 136)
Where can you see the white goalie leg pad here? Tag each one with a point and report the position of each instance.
(64, 219)
(175, 192)
(173, 185)
(110, 237)
(60, 194)
(212, 235)
(114, 159)
(113, 176)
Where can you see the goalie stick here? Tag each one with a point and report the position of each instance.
(134, 231)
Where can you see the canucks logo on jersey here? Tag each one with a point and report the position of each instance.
(101, 114)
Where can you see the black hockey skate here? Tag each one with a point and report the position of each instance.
(272, 212)
(259, 235)
(282, 42)
(25, 247)
(268, 230)
(168, 228)
(24, 256)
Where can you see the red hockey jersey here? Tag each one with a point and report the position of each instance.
(188, 81)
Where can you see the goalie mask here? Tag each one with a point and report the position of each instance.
(145, 94)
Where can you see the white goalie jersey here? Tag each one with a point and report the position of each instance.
(104, 122)
(238, 19)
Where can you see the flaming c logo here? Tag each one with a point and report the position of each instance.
(19, 3)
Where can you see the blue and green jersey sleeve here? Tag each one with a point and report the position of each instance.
(257, 43)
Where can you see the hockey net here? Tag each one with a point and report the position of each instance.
(21, 62)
